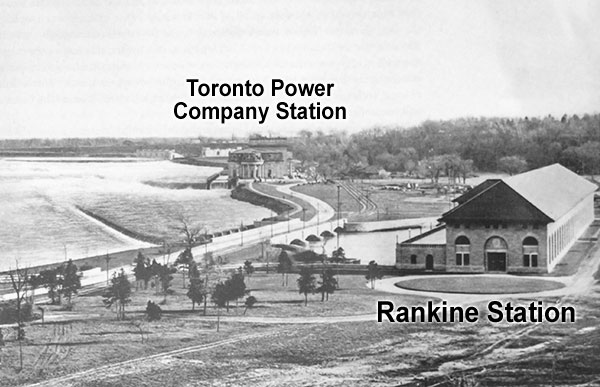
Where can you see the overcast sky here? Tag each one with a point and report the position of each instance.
(116, 68)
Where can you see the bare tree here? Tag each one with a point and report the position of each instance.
(18, 280)
(189, 231)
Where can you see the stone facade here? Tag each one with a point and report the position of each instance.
(414, 257)
(479, 235)
(523, 224)
(260, 164)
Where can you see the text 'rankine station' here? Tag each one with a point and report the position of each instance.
(497, 312)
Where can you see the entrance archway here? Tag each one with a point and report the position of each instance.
(495, 254)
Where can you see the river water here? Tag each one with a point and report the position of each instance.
(379, 246)
(39, 199)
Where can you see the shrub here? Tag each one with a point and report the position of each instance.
(8, 312)
(153, 311)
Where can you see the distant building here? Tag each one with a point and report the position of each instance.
(220, 149)
(522, 224)
(161, 154)
(266, 158)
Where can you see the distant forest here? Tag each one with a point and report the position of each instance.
(455, 148)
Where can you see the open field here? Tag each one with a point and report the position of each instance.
(184, 348)
(353, 354)
(390, 204)
(92, 337)
(327, 192)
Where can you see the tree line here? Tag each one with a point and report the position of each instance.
(456, 147)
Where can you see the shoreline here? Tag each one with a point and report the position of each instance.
(152, 250)
(126, 256)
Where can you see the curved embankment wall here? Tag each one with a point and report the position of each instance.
(121, 229)
(243, 194)
(171, 185)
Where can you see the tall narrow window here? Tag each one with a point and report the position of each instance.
(530, 252)
(463, 250)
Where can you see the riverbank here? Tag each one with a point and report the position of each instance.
(246, 194)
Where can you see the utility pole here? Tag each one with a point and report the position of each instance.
(242, 233)
(262, 248)
(337, 233)
(271, 222)
(303, 221)
(318, 218)
(338, 205)
(205, 249)
(107, 258)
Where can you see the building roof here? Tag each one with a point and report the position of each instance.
(224, 145)
(435, 236)
(247, 155)
(553, 189)
(476, 190)
(542, 195)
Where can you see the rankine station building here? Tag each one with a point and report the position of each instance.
(521, 224)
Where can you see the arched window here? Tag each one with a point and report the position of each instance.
(530, 252)
(463, 250)
(530, 241)
(462, 240)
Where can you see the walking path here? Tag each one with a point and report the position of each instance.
(296, 206)
(324, 211)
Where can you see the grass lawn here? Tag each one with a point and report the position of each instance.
(352, 354)
(391, 204)
(328, 194)
(479, 285)
(94, 337)
(353, 297)
(405, 205)
(374, 354)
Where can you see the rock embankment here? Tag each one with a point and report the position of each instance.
(244, 194)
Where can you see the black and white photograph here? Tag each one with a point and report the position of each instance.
(299, 193)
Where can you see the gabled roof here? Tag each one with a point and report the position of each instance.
(497, 203)
(553, 189)
(543, 195)
(476, 190)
